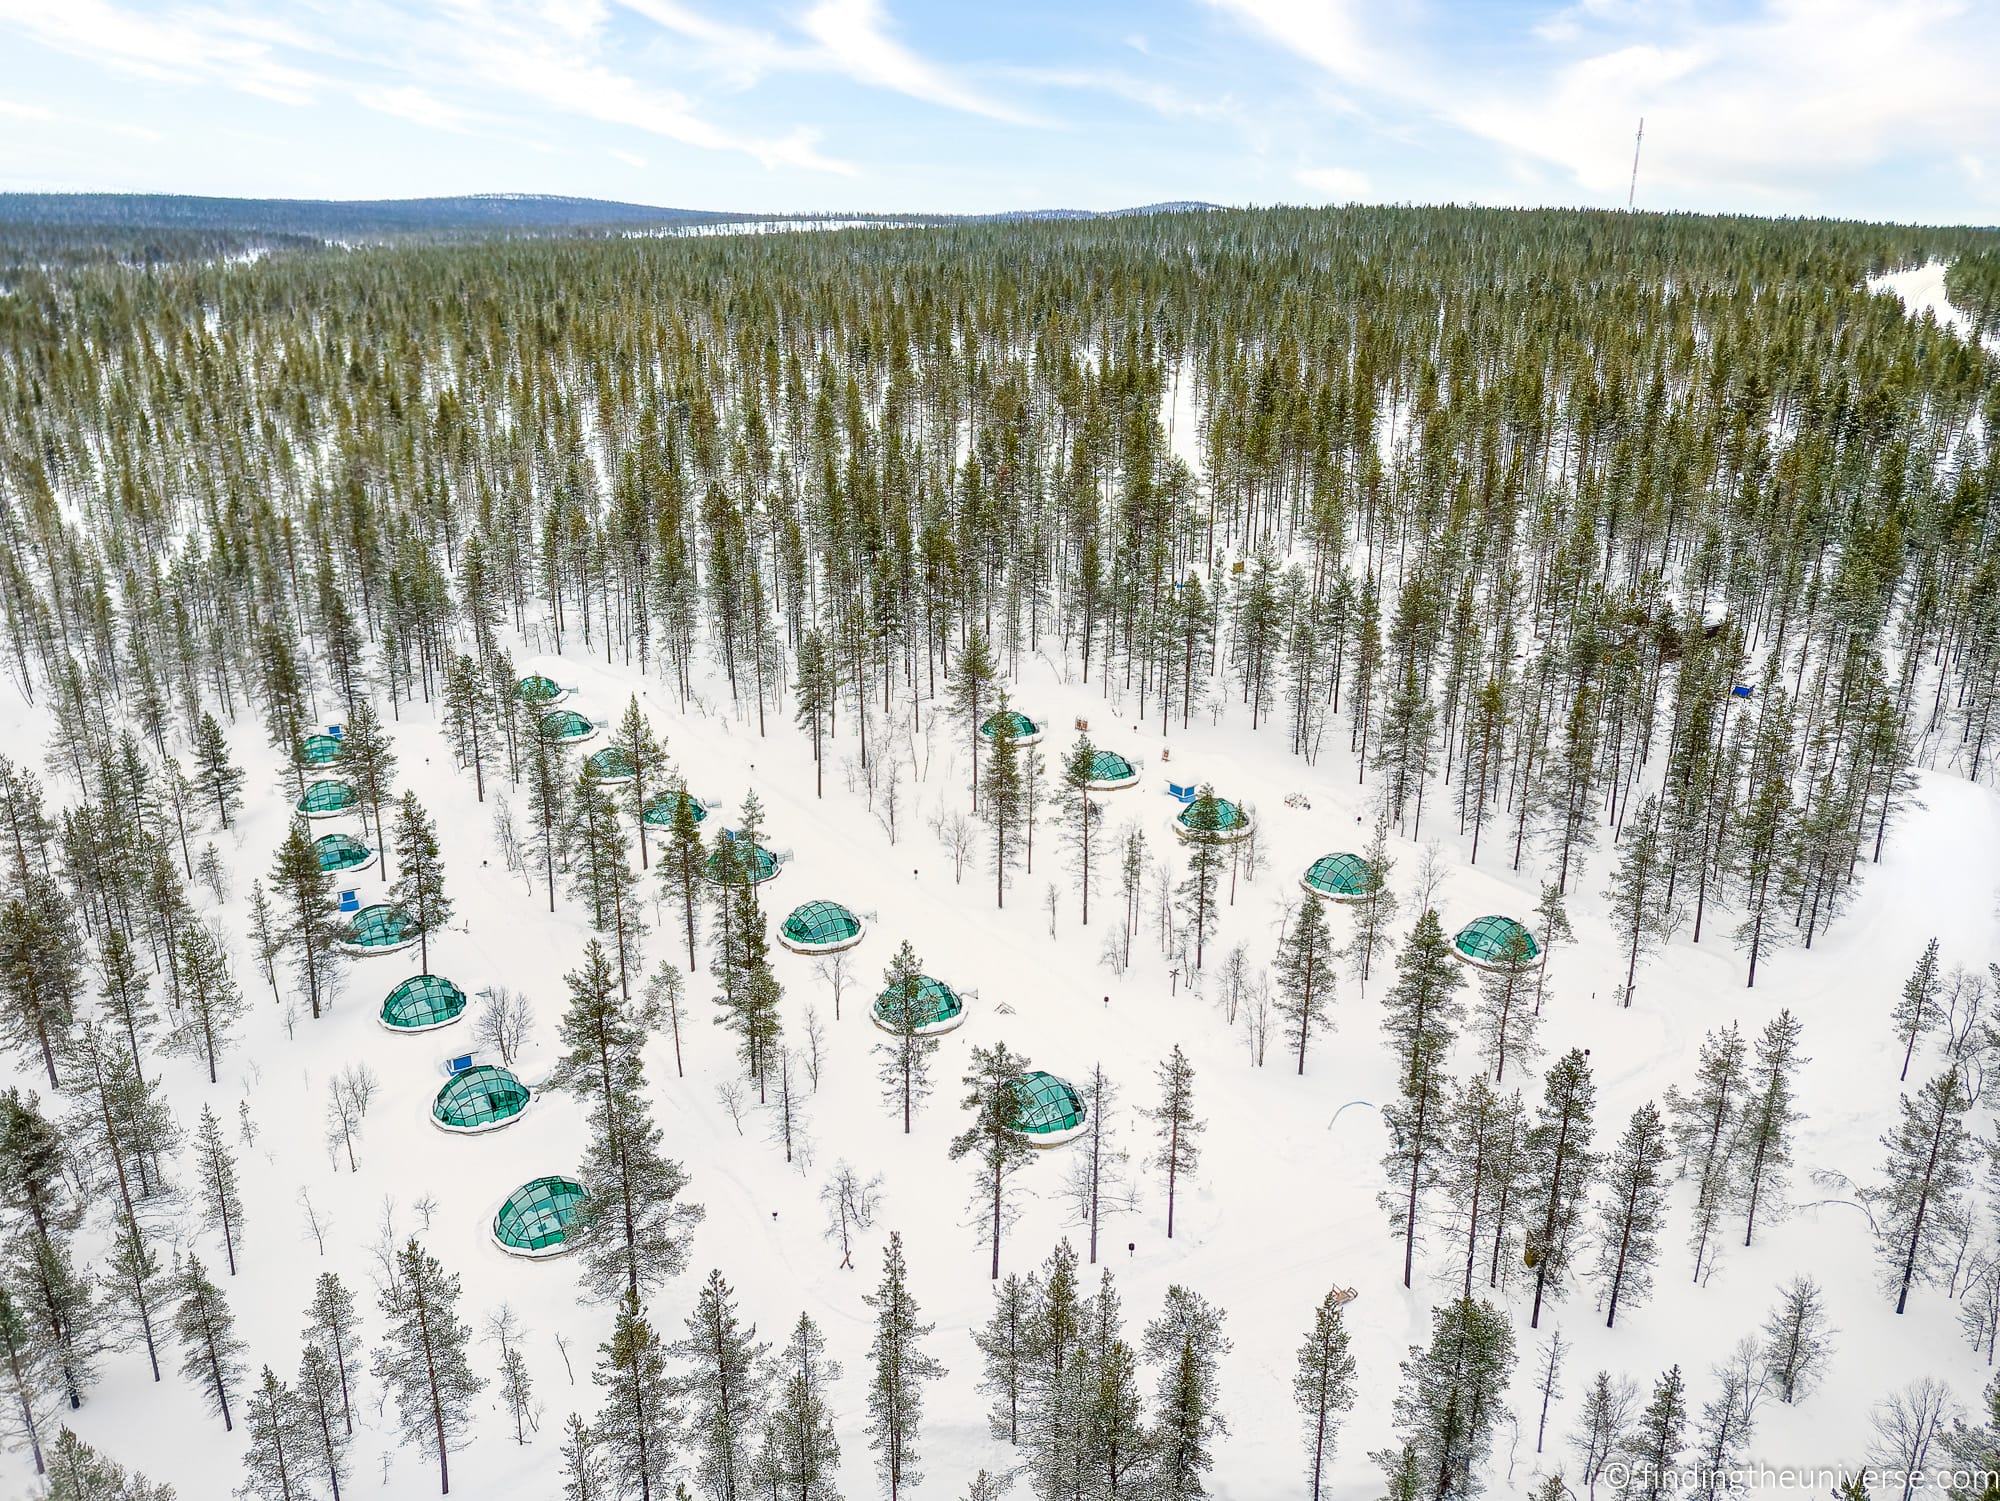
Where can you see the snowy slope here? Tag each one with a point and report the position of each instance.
(1284, 1205)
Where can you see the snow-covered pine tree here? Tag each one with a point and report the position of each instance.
(725, 1381)
(1197, 892)
(1636, 896)
(1503, 1019)
(1602, 1424)
(307, 914)
(419, 891)
(423, 1361)
(333, 1326)
(991, 1139)
(1176, 1126)
(801, 1437)
(1097, 1186)
(1420, 1017)
(1652, 1449)
(368, 764)
(1765, 1149)
(1560, 1165)
(212, 1005)
(1004, 810)
(1082, 817)
(634, 1433)
(211, 1354)
(906, 1056)
(326, 1435)
(1187, 1344)
(1323, 1387)
(899, 1370)
(470, 718)
(1632, 1212)
(1916, 1012)
(1480, 1169)
(586, 1474)
(29, 1398)
(1923, 1175)
(971, 688)
(680, 872)
(647, 764)
(1797, 1342)
(274, 1465)
(220, 1195)
(1008, 1345)
(1306, 977)
(1450, 1401)
(220, 779)
(78, 1472)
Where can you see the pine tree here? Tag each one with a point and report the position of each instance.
(1552, 922)
(681, 865)
(802, 1440)
(274, 1468)
(214, 1006)
(899, 1370)
(1916, 1012)
(1706, 1125)
(368, 762)
(646, 761)
(419, 892)
(211, 1354)
(1560, 1166)
(55, 1301)
(1306, 978)
(1005, 810)
(27, 1404)
(1082, 817)
(125, 1001)
(327, 1436)
(1176, 1126)
(1768, 1118)
(1197, 892)
(471, 718)
(1652, 1450)
(268, 942)
(1633, 1212)
(308, 913)
(1008, 1344)
(972, 685)
(39, 980)
(1098, 1185)
(1187, 1343)
(1924, 1172)
(1480, 1169)
(906, 1056)
(1502, 1019)
(1323, 1387)
(725, 1381)
(423, 1360)
(992, 1139)
(813, 697)
(78, 1472)
(1420, 1015)
(542, 765)
(333, 1327)
(602, 875)
(1450, 1402)
(1723, 1437)
(1797, 1341)
(635, 1432)
(1639, 914)
(220, 1196)
(1602, 1424)
(586, 1475)
(221, 781)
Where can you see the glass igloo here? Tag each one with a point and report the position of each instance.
(1026, 731)
(660, 811)
(1494, 942)
(328, 799)
(482, 1098)
(567, 727)
(937, 1008)
(1110, 771)
(1338, 878)
(342, 854)
(422, 1003)
(535, 1219)
(381, 929)
(1051, 1112)
(821, 927)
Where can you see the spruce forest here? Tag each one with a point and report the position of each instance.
(1253, 854)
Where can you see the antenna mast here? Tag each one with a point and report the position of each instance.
(1637, 142)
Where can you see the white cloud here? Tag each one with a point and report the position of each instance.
(192, 46)
(854, 38)
(415, 105)
(1335, 184)
(629, 158)
(1161, 98)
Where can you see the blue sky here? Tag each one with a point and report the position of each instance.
(1876, 108)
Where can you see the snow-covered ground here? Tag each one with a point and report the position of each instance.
(1922, 290)
(1284, 1205)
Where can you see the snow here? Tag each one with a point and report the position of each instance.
(1922, 290)
(1284, 1205)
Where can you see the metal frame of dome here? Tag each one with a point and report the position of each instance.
(1037, 1092)
(1348, 865)
(551, 1196)
(533, 695)
(1492, 932)
(615, 755)
(344, 841)
(372, 912)
(806, 915)
(1102, 776)
(572, 736)
(760, 856)
(940, 994)
(462, 1088)
(663, 805)
(320, 750)
(1032, 735)
(411, 987)
(312, 803)
(1224, 835)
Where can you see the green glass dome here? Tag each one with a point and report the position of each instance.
(820, 925)
(421, 1003)
(1109, 769)
(1023, 726)
(758, 863)
(319, 750)
(937, 1006)
(1496, 940)
(536, 689)
(610, 765)
(1048, 1106)
(379, 928)
(565, 726)
(341, 852)
(328, 797)
(660, 811)
(536, 1217)
(484, 1097)
(1338, 875)
(1229, 819)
